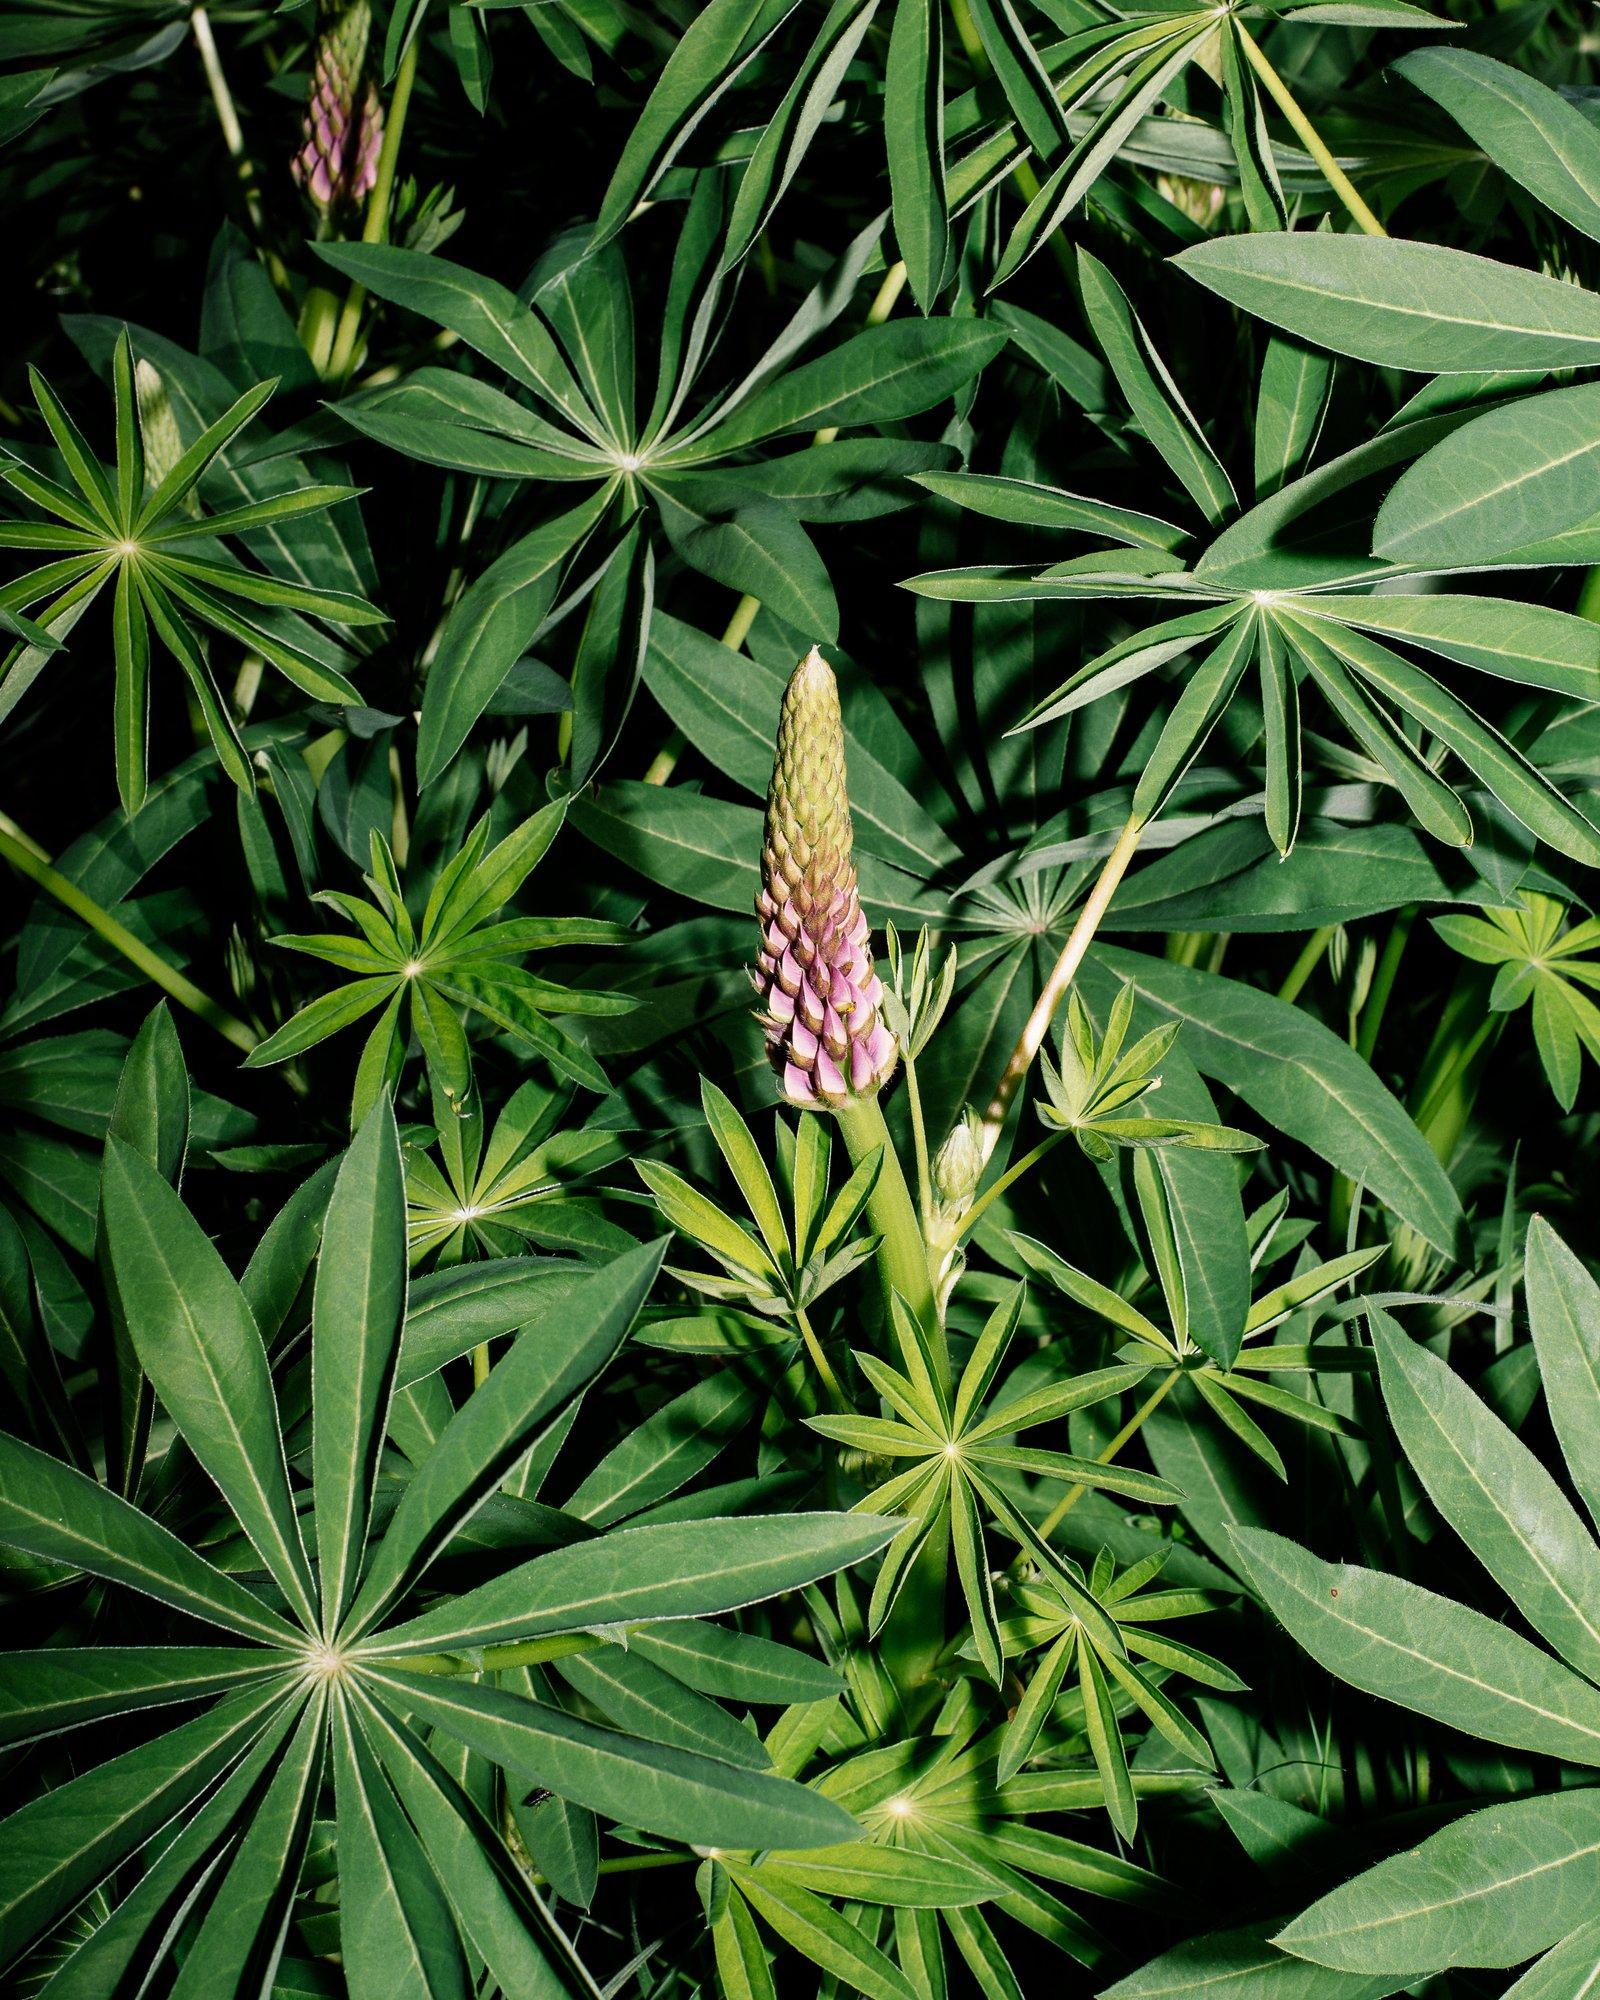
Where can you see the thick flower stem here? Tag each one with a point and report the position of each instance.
(376, 229)
(1031, 1040)
(902, 1252)
(28, 861)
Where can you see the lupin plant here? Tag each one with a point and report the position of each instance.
(1022, 1420)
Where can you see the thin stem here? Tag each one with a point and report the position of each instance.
(902, 1251)
(376, 227)
(1031, 1040)
(919, 1143)
(1307, 133)
(819, 1360)
(736, 631)
(883, 303)
(1312, 953)
(1383, 983)
(1013, 1173)
(227, 116)
(1129, 1430)
(30, 860)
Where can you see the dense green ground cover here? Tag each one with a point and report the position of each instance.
(1048, 1448)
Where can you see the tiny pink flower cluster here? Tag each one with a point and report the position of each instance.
(821, 995)
(342, 132)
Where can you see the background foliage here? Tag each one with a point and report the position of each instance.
(492, 1502)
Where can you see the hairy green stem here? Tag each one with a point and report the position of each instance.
(29, 859)
(491, 1659)
(919, 1144)
(376, 227)
(1031, 1040)
(1307, 133)
(996, 1188)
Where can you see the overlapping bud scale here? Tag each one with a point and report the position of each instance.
(342, 133)
(821, 996)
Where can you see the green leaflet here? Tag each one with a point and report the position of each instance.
(665, 1571)
(1496, 1495)
(1531, 132)
(1564, 1314)
(1402, 305)
(1493, 1889)
(359, 1305)
(683, 1794)
(1397, 1640)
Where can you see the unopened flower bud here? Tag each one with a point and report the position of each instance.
(342, 133)
(821, 996)
(158, 427)
(958, 1164)
(1201, 201)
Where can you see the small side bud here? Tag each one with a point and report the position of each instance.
(158, 427)
(958, 1165)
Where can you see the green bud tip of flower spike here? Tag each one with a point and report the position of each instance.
(821, 995)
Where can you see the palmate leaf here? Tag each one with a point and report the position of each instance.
(319, 1688)
(118, 529)
(680, 485)
(457, 962)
